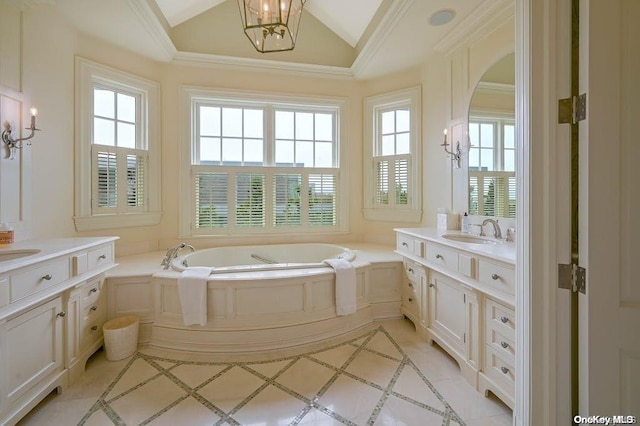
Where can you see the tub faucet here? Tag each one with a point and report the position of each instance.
(172, 253)
(497, 234)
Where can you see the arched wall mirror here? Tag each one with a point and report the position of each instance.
(491, 158)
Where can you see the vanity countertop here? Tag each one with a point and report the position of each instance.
(502, 251)
(48, 249)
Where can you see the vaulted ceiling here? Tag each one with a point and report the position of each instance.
(339, 38)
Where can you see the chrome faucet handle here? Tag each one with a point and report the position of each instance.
(497, 233)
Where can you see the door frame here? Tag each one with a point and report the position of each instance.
(542, 237)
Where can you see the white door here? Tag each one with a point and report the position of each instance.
(609, 349)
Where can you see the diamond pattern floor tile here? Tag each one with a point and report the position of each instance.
(367, 380)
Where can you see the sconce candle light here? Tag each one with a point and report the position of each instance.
(16, 143)
(455, 156)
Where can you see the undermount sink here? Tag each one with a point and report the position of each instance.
(470, 239)
(16, 254)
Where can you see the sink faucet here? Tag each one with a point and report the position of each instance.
(497, 234)
(172, 253)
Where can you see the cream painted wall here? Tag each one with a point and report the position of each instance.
(49, 47)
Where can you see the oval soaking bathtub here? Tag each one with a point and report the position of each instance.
(267, 257)
(268, 297)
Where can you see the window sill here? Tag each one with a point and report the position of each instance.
(110, 221)
(389, 215)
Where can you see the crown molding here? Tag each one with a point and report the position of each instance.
(381, 33)
(154, 27)
(262, 65)
(476, 25)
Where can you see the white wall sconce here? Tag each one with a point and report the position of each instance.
(455, 156)
(14, 143)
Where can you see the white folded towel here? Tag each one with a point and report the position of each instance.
(345, 285)
(192, 290)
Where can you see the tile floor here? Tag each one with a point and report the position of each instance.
(384, 375)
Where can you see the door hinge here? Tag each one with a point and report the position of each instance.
(572, 110)
(464, 337)
(572, 277)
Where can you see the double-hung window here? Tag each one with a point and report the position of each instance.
(117, 148)
(392, 156)
(263, 164)
(492, 177)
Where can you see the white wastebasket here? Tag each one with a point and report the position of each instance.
(121, 337)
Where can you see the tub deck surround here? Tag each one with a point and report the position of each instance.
(52, 308)
(255, 309)
(461, 295)
(273, 256)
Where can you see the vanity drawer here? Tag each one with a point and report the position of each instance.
(442, 256)
(501, 344)
(501, 319)
(405, 243)
(102, 256)
(91, 325)
(413, 270)
(497, 276)
(90, 293)
(500, 371)
(33, 280)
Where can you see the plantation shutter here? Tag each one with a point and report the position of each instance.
(286, 200)
(322, 199)
(392, 180)
(250, 208)
(135, 180)
(211, 200)
(401, 181)
(107, 179)
(382, 182)
(492, 194)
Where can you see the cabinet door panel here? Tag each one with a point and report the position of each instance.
(34, 348)
(447, 311)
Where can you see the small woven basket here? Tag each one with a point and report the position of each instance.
(121, 337)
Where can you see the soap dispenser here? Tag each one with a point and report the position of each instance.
(464, 225)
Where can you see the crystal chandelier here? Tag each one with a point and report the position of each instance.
(271, 25)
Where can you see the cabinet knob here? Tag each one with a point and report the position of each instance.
(431, 285)
(47, 277)
(405, 245)
(102, 256)
(94, 308)
(94, 328)
(410, 270)
(62, 314)
(411, 299)
(495, 276)
(93, 290)
(504, 320)
(411, 285)
(505, 370)
(439, 256)
(504, 345)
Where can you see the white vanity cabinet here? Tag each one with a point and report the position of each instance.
(466, 304)
(32, 348)
(50, 303)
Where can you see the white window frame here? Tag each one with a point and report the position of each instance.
(87, 217)
(192, 97)
(373, 106)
